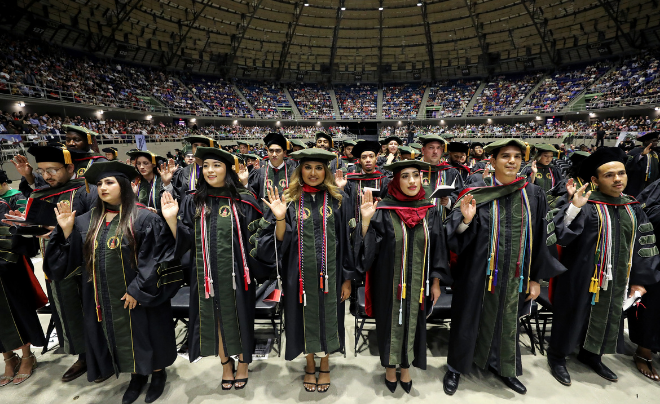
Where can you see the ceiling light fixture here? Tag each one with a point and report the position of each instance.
(419, 4)
(306, 4)
(343, 9)
(380, 8)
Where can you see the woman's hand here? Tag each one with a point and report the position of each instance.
(65, 218)
(243, 174)
(534, 290)
(169, 207)
(570, 188)
(534, 171)
(340, 180)
(468, 208)
(275, 203)
(166, 171)
(435, 290)
(345, 290)
(580, 199)
(129, 301)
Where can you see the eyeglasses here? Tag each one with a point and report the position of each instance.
(49, 171)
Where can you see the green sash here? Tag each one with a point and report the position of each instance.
(489, 193)
(320, 322)
(146, 196)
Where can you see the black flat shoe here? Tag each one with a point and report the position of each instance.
(560, 373)
(600, 369)
(244, 381)
(406, 386)
(223, 382)
(514, 384)
(134, 388)
(391, 385)
(156, 387)
(450, 382)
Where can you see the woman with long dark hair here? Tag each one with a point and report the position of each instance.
(155, 178)
(124, 252)
(213, 224)
(401, 242)
(309, 230)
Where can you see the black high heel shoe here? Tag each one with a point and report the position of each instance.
(244, 381)
(232, 372)
(391, 385)
(407, 386)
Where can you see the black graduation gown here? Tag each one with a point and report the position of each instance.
(301, 332)
(185, 179)
(257, 179)
(19, 296)
(484, 325)
(575, 311)
(149, 193)
(641, 172)
(80, 166)
(232, 309)
(443, 175)
(644, 320)
(546, 177)
(65, 295)
(120, 340)
(462, 169)
(356, 182)
(379, 252)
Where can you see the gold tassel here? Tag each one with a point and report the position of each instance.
(490, 283)
(237, 168)
(86, 185)
(211, 143)
(593, 288)
(403, 292)
(527, 151)
(67, 156)
(421, 295)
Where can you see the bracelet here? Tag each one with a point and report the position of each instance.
(279, 220)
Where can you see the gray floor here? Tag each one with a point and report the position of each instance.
(354, 380)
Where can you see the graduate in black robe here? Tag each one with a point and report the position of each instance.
(390, 153)
(317, 263)
(477, 156)
(214, 223)
(275, 172)
(155, 177)
(457, 158)
(644, 319)
(366, 176)
(610, 252)
(324, 141)
(124, 253)
(559, 194)
(541, 171)
(401, 242)
(20, 297)
(439, 173)
(55, 166)
(643, 166)
(498, 230)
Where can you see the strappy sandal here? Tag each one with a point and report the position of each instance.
(305, 384)
(323, 384)
(232, 372)
(5, 380)
(26, 376)
(649, 363)
(244, 381)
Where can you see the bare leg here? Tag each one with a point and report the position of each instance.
(11, 362)
(324, 374)
(228, 367)
(27, 362)
(310, 374)
(643, 357)
(241, 372)
(405, 375)
(390, 374)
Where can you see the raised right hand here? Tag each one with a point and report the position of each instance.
(275, 203)
(22, 165)
(571, 188)
(647, 149)
(169, 207)
(580, 198)
(65, 218)
(468, 208)
(368, 207)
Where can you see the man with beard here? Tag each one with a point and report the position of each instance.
(276, 172)
(642, 165)
(457, 157)
(56, 168)
(347, 157)
(439, 173)
(366, 176)
(477, 158)
(324, 141)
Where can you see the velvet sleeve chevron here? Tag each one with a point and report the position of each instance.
(255, 224)
(645, 256)
(551, 238)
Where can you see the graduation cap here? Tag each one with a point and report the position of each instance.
(349, 142)
(313, 154)
(387, 140)
(648, 137)
(416, 146)
(298, 143)
(603, 155)
(492, 147)
(578, 156)
(243, 142)
(200, 139)
(459, 147)
(112, 150)
(50, 154)
(250, 156)
(212, 153)
(4, 178)
(325, 136)
(426, 139)
(98, 171)
(278, 139)
(402, 164)
(154, 158)
(545, 147)
(407, 150)
(88, 134)
(367, 145)
(476, 144)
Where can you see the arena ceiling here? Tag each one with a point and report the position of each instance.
(333, 40)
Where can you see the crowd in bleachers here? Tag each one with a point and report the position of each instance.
(560, 88)
(357, 101)
(219, 96)
(268, 100)
(503, 94)
(402, 101)
(633, 82)
(450, 97)
(313, 101)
